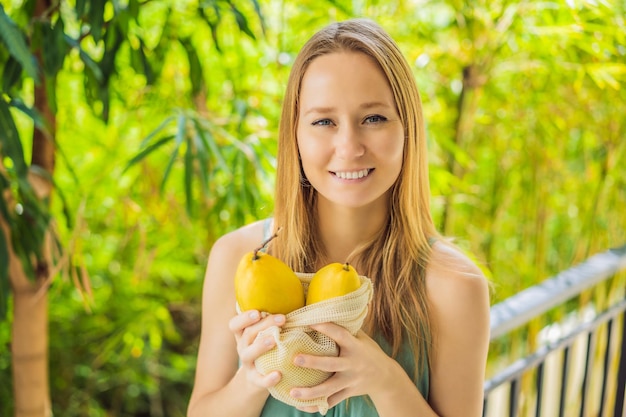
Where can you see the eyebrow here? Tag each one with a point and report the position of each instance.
(365, 106)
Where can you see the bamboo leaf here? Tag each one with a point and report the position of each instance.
(58, 190)
(603, 74)
(39, 121)
(11, 74)
(210, 144)
(145, 68)
(84, 56)
(241, 20)
(189, 162)
(29, 227)
(158, 129)
(80, 8)
(181, 125)
(203, 159)
(15, 42)
(133, 9)
(168, 167)
(257, 10)
(195, 67)
(10, 142)
(179, 140)
(54, 47)
(147, 151)
(113, 41)
(213, 24)
(4, 272)
(95, 18)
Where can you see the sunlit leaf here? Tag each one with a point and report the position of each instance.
(241, 20)
(4, 269)
(95, 18)
(11, 74)
(189, 175)
(195, 67)
(11, 145)
(54, 47)
(14, 40)
(208, 140)
(84, 56)
(259, 13)
(148, 150)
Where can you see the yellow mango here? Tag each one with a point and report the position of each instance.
(333, 280)
(265, 283)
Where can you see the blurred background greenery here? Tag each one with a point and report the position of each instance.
(168, 143)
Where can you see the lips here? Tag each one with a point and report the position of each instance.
(353, 175)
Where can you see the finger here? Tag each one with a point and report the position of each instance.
(336, 332)
(336, 398)
(238, 323)
(323, 390)
(270, 379)
(309, 409)
(250, 333)
(261, 345)
(323, 363)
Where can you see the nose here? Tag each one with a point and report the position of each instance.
(348, 143)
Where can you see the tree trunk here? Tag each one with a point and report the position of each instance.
(29, 335)
(29, 347)
(473, 79)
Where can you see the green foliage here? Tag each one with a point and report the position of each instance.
(212, 155)
(166, 109)
(15, 42)
(23, 211)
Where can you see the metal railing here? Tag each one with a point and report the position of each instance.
(603, 334)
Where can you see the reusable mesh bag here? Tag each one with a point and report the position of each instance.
(295, 336)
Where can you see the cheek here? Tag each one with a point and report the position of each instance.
(309, 159)
(392, 152)
(311, 149)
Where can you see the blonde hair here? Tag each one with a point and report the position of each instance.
(396, 258)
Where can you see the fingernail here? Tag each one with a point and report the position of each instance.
(299, 360)
(296, 394)
(254, 315)
(268, 341)
(279, 318)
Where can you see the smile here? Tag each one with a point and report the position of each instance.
(353, 175)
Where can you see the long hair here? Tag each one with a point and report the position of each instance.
(396, 258)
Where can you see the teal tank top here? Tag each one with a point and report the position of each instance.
(360, 406)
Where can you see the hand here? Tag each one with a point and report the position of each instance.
(359, 369)
(246, 326)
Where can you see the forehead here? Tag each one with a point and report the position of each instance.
(344, 77)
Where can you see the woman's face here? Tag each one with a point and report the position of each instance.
(349, 133)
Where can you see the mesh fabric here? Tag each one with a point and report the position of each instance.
(296, 336)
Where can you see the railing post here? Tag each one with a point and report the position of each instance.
(521, 308)
(620, 410)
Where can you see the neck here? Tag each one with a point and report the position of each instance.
(344, 229)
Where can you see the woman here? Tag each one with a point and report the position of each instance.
(352, 185)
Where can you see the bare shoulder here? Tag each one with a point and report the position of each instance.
(240, 241)
(224, 258)
(217, 350)
(458, 294)
(451, 274)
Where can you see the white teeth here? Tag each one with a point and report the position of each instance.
(353, 175)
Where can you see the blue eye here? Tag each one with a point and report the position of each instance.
(322, 122)
(375, 119)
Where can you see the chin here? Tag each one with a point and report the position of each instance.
(352, 202)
